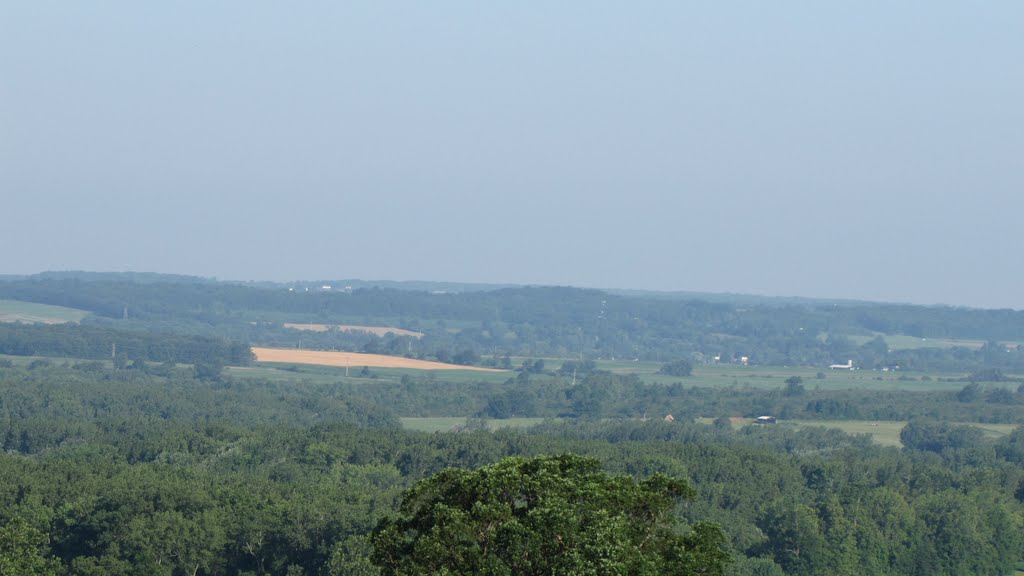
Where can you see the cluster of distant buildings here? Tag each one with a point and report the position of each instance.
(758, 420)
(745, 361)
(323, 288)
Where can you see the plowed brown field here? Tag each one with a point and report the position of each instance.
(354, 359)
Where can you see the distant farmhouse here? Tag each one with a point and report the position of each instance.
(744, 360)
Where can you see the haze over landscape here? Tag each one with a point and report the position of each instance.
(839, 150)
(480, 289)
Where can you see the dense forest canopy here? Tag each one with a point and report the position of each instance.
(127, 472)
(145, 440)
(545, 515)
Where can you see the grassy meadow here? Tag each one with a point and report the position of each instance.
(710, 376)
(329, 374)
(904, 342)
(445, 424)
(768, 377)
(884, 433)
(32, 313)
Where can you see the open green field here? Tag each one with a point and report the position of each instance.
(904, 342)
(444, 424)
(767, 377)
(328, 374)
(22, 361)
(885, 433)
(711, 376)
(32, 313)
(420, 324)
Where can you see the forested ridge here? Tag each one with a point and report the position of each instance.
(545, 321)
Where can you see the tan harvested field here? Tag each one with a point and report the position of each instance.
(377, 330)
(354, 359)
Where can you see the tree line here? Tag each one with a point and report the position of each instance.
(121, 346)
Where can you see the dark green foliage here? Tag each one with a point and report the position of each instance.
(532, 366)
(39, 363)
(541, 516)
(795, 538)
(1011, 448)
(96, 343)
(598, 394)
(235, 496)
(677, 368)
(1001, 396)
(516, 402)
(351, 557)
(466, 357)
(23, 550)
(210, 371)
(44, 408)
(939, 436)
(989, 375)
(970, 393)
(794, 386)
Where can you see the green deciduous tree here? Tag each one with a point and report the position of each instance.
(542, 516)
(24, 551)
(677, 368)
(938, 436)
(794, 386)
(794, 536)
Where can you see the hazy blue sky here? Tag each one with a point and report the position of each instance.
(870, 150)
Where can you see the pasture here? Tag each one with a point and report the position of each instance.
(445, 424)
(375, 330)
(769, 377)
(888, 433)
(319, 374)
(904, 342)
(32, 313)
(278, 364)
(882, 432)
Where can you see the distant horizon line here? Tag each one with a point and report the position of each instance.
(478, 285)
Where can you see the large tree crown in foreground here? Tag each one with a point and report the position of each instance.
(549, 515)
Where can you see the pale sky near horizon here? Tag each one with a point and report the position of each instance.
(865, 150)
